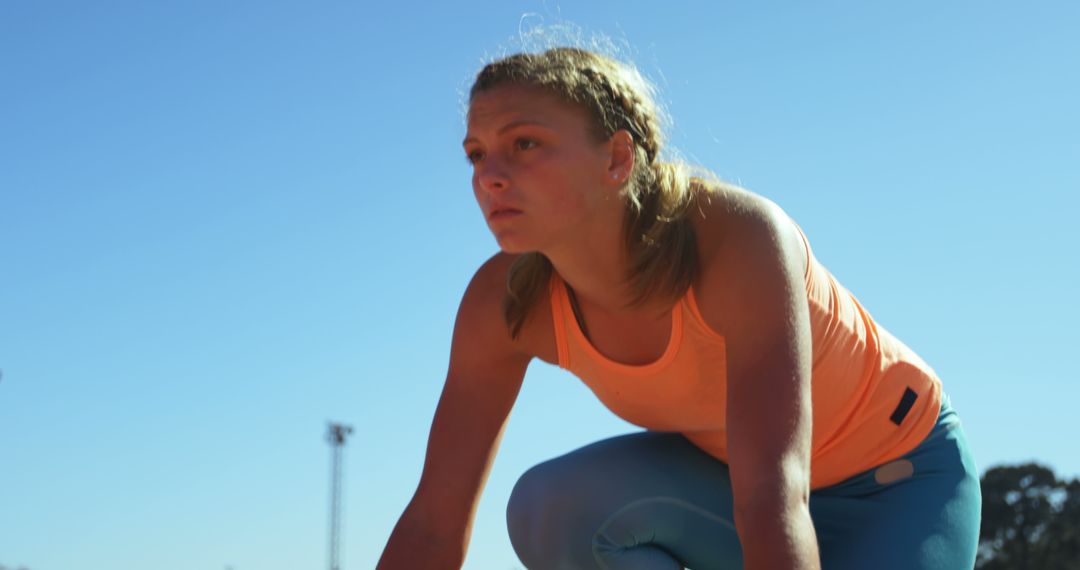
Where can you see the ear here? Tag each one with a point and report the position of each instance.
(621, 153)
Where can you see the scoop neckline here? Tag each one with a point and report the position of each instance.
(674, 340)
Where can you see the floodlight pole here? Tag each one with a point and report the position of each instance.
(335, 435)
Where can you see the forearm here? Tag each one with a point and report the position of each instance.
(418, 543)
(777, 538)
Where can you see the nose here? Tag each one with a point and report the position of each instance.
(491, 177)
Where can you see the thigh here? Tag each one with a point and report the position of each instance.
(643, 500)
(928, 519)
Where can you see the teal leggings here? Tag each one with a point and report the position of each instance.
(654, 501)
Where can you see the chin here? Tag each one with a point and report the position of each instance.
(514, 244)
(514, 248)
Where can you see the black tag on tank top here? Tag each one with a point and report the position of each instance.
(902, 410)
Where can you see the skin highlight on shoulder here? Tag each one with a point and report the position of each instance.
(733, 224)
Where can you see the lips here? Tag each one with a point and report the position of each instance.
(502, 212)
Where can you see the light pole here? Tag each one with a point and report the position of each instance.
(335, 435)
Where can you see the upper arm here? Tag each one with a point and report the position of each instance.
(764, 306)
(484, 378)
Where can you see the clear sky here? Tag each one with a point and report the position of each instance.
(223, 224)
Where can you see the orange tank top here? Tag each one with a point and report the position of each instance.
(873, 398)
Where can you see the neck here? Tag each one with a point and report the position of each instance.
(595, 265)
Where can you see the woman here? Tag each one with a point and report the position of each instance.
(785, 428)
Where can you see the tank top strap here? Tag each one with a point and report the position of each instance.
(560, 306)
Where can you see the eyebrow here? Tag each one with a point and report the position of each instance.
(510, 126)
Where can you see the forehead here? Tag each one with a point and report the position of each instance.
(508, 103)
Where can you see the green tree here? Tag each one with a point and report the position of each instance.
(1060, 544)
(1026, 512)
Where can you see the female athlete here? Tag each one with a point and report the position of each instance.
(784, 428)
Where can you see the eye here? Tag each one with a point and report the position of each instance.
(472, 157)
(525, 144)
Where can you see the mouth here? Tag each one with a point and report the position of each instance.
(501, 213)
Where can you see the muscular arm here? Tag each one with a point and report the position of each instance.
(485, 375)
(760, 294)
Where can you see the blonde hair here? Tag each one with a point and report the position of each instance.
(658, 235)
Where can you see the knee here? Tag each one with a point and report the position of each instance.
(552, 515)
(527, 515)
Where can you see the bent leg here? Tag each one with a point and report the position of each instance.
(655, 501)
(643, 501)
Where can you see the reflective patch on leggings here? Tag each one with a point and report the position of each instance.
(894, 471)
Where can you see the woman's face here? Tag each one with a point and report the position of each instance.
(539, 175)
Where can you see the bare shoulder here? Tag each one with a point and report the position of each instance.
(482, 350)
(742, 237)
(481, 306)
(490, 279)
(729, 218)
(481, 322)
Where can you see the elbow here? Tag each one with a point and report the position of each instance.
(770, 511)
(785, 492)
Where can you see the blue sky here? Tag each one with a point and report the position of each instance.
(224, 224)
